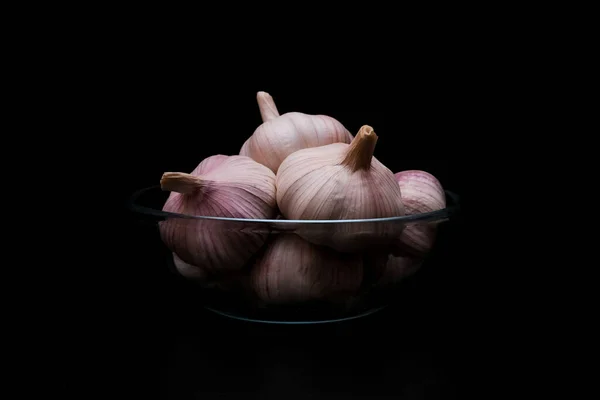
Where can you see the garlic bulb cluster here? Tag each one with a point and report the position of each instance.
(310, 169)
(421, 192)
(220, 186)
(338, 182)
(281, 135)
(292, 270)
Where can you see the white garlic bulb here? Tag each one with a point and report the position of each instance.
(220, 186)
(421, 192)
(281, 135)
(292, 270)
(339, 182)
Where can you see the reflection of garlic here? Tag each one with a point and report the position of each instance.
(293, 270)
(421, 193)
(221, 186)
(279, 136)
(340, 181)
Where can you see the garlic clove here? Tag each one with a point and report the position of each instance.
(281, 135)
(421, 192)
(340, 182)
(292, 270)
(189, 271)
(237, 281)
(221, 186)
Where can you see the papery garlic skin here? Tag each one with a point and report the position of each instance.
(281, 135)
(421, 192)
(292, 270)
(220, 186)
(340, 182)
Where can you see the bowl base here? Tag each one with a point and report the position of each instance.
(294, 322)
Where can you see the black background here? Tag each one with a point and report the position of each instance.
(164, 345)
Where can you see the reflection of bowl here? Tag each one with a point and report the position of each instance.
(377, 268)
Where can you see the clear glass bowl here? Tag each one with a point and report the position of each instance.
(306, 281)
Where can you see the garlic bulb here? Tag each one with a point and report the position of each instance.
(220, 186)
(293, 270)
(421, 193)
(341, 181)
(281, 135)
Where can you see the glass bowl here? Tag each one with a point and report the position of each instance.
(290, 272)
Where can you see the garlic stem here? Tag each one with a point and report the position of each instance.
(360, 152)
(180, 182)
(268, 109)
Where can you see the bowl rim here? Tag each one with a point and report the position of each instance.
(437, 215)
